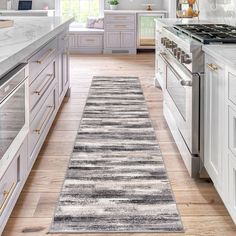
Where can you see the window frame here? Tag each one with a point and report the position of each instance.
(58, 10)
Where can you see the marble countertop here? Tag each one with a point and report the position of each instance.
(19, 42)
(224, 53)
(135, 11)
(174, 21)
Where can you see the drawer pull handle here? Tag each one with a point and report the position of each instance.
(6, 194)
(46, 56)
(38, 131)
(90, 40)
(120, 26)
(44, 85)
(212, 67)
(120, 17)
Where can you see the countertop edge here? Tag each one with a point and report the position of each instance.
(226, 61)
(23, 55)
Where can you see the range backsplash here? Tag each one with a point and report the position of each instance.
(223, 9)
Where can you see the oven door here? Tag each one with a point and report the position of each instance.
(13, 118)
(182, 98)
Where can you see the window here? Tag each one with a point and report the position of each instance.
(81, 9)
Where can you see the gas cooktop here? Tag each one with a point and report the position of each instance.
(209, 33)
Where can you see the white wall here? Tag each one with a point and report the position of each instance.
(137, 4)
(217, 8)
(225, 10)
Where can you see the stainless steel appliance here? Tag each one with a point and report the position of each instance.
(183, 77)
(13, 112)
(180, 70)
(146, 30)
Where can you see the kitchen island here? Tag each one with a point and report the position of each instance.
(34, 79)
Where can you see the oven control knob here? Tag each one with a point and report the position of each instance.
(163, 40)
(178, 53)
(185, 59)
(174, 45)
(169, 44)
(166, 42)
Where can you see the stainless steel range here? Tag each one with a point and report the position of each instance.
(180, 72)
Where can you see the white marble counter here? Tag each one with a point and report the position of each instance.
(19, 42)
(174, 21)
(224, 53)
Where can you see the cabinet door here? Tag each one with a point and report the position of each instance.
(113, 39)
(128, 40)
(214, 120)
(60, 75)
(65, 66)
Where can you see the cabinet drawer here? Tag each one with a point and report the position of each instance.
(94, 41)
(41, 121)
(120, 17)
(39, 61)
(41, 84)
(232, 87)
(117, 26)
(8, 183)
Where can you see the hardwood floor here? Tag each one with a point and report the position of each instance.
(200, 206)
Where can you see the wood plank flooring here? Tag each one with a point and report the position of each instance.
(202, 211)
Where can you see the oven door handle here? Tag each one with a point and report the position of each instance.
(183, 82)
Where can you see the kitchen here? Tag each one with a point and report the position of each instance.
(53, 93)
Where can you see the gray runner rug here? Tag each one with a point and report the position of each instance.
(116, 180)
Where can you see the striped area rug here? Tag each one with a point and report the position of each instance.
(116, 180)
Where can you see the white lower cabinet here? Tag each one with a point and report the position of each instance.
(214, 119)
(113, 39)
(120, 33)
(232, 184)
(48, 74)
(220, 130)
(63, 74)
(12, 183)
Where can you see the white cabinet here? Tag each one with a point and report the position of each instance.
(230, 147)
(63, 74)
(220, 129)
(120, 33)
(42, 104)
(232, 185)
(120, 39)
(113, 39)
(127, 39)
(214, 119)
(11, 183)
(86, 41)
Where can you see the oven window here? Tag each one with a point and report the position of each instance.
(177, 92)
(12, 118)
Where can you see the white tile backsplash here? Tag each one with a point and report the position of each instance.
(223, 9)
